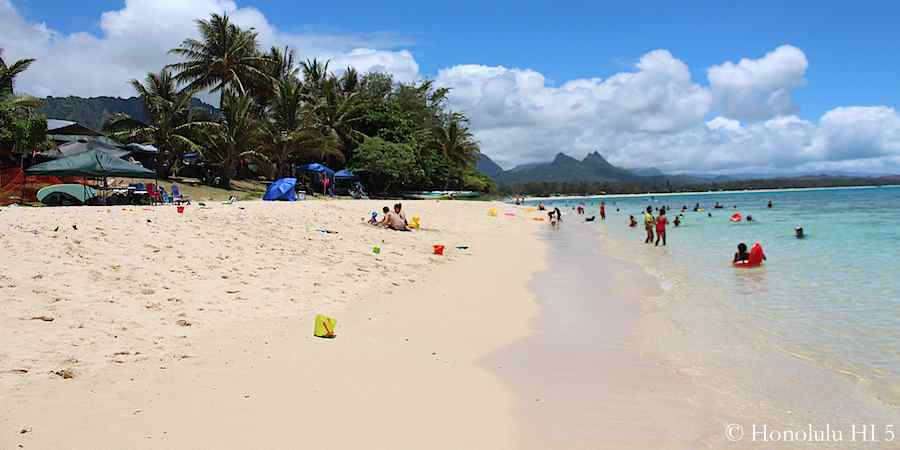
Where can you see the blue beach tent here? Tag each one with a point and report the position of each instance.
(318, 168)
(282, 189)
(345, 175)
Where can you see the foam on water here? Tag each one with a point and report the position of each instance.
(831, 300)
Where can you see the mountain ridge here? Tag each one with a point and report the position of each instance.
(92, 112)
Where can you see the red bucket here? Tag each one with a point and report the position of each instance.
(438, 249)
(180, 209)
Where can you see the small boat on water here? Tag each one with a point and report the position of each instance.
(440, 195)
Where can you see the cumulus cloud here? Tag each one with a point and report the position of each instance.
(759, 88)
(656, 115)
(135, 39)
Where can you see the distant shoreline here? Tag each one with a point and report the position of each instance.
(671, 194)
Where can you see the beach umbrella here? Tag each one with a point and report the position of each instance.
(282, 189)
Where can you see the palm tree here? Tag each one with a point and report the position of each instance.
(172, 123)
(235, 137)
(20, 121)
(225, 56)
(290, 133)
(8, 74)
(336, 111)
(454, 140)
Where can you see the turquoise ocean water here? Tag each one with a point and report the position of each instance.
(831, 299)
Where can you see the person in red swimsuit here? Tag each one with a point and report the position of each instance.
(602, 211)
(661, 223)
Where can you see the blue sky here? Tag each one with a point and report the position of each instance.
(852, 48)
(747, 86)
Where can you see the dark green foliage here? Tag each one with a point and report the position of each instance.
(386, 164)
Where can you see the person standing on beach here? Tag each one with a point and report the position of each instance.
(648, 224)
(602, 211)
(661, 222)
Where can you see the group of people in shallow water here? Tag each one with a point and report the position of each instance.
(393, 220)
(655, 227)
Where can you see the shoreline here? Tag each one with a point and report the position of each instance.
(673, 194)
(613, 364)
(406, 362)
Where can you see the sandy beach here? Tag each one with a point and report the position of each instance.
(195, 330)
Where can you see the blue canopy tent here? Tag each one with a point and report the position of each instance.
(282, 189)
(321, 169)
(345, 175)
(318, 168)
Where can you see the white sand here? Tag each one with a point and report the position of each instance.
(403, 372)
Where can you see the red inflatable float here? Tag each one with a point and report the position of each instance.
(736, 217)
(756, 258)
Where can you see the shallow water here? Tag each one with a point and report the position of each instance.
(831, 300)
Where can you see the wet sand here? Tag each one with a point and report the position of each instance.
(611, 365)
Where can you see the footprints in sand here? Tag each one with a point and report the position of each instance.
(121, 284)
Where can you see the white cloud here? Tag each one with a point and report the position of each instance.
(651, 115)
(135, 39)
(657, 116)
(759, 88)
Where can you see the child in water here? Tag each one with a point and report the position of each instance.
(661, 222)
(742, 255)
(677, 221)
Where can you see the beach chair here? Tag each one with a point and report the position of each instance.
(153, 194)
(177, 197)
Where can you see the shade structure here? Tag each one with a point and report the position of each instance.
(282, 189)
(92, 163)
(345, 175)
(318, 168)
(77, 147)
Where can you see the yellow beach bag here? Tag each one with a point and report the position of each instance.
(324, 327)
(492, 212)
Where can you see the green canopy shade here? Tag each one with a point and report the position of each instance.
(74, 148)
(92, 163)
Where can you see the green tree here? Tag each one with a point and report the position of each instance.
(454, 140)
(172, 126)
(234, 138)
(289, 134)
(20, 122)
(225, 57)
(385, 165)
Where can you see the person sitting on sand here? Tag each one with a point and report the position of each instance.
(631, 222)
(395, 221)
(541, 207)
(742, 254)
(553, 218)
(648, 224)
(397, 210)
(385, 212)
